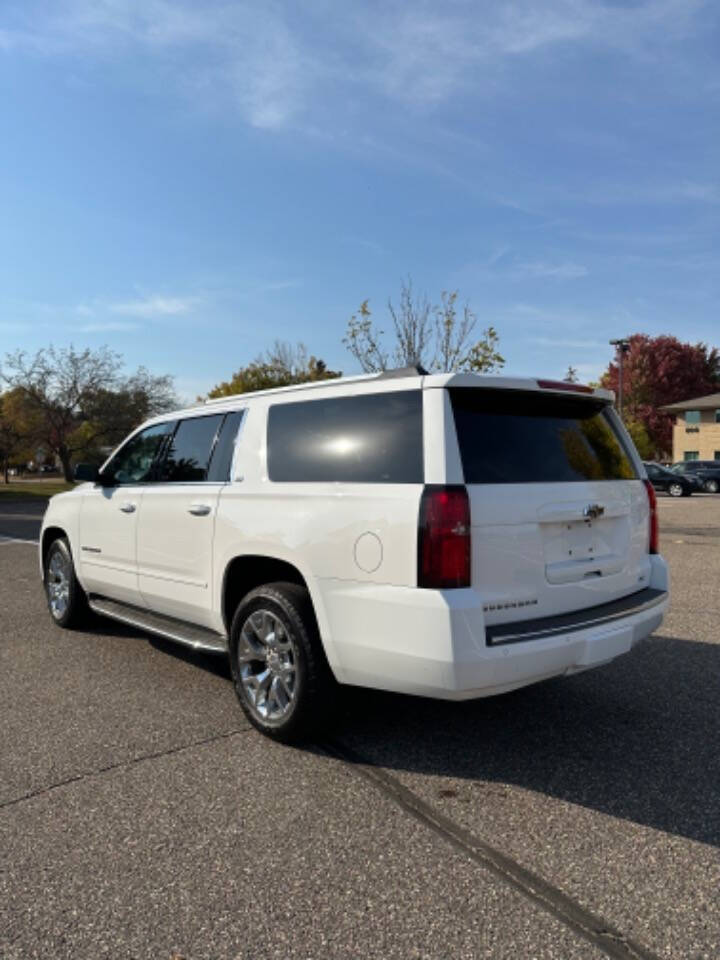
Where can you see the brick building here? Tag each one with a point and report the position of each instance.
(696, 431)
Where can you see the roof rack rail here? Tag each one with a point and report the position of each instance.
(310, 385)
(414, 370)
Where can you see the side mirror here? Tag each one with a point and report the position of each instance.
(106, 479)
(86, 472)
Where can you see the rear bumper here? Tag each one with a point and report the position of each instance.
(434, 643)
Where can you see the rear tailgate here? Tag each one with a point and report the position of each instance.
(559, 514)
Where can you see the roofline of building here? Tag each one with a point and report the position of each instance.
(710, 401)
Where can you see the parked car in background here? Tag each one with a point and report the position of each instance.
(48, 468)
(706, 471)
(676, 484)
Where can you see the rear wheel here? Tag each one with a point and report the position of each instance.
(282, 679)
(66, 598)
(711, 486)
(675, 490)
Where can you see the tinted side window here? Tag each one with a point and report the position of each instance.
(224, 448)
(134, 461)
(509, 436)
(375, 438)
(189, 450)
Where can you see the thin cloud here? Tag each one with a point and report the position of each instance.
(274, 285)
(150, 308)
(501, 265)
(278, 69)
(428, 52)
(371, 245)
(497, 255)
(243, 54)
(641, 193)
(571, 344)
(106, 327)
(559, 271)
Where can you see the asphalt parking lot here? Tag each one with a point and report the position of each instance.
(141, 817)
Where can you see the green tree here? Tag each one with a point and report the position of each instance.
(81, 399)
(437, 337)
(18, 430)
(641, 438)
(281, 366)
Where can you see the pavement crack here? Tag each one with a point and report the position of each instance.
(132, 761)
(543, 894)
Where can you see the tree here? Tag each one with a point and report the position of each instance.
(80, 399)
(659, 371)
(641, 439)
(436, 337)
(111, 413)
(18, 430)
(571, 375)
(281, 366)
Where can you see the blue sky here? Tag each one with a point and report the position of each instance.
(187, 182)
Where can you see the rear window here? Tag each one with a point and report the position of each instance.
(375, 438)
(516, 437)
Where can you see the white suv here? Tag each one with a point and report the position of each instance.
(446, 535)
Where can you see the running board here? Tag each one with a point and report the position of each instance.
(190, 635)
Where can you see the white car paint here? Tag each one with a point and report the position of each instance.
(378, 629)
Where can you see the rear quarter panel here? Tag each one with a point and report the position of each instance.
(362, 533)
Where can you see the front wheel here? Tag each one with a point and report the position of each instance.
(65, 597)
(711, 486)
(281, 676)
(675, 490)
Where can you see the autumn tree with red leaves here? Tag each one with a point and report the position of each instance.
(658, 371)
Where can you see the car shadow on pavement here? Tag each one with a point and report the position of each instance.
(637, 739)
(212, 663)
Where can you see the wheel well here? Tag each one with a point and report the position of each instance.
(50, 534)
(243, 574)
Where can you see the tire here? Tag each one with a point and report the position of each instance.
(711, 486)
(675, 489)
(66, 599)
(281, 676)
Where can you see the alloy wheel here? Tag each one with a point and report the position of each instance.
(267, 666)
(58, 584)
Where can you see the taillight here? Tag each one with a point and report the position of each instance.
(654, 530)
(444, 538)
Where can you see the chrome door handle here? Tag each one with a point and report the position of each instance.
(199, 509)
(128, 507)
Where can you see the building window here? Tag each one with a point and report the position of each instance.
(691, 455)
(717, 416)
(717, 454)
(692, 416)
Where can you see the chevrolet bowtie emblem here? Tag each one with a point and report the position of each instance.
(592, 511)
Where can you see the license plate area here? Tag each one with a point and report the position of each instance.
(584, 549)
